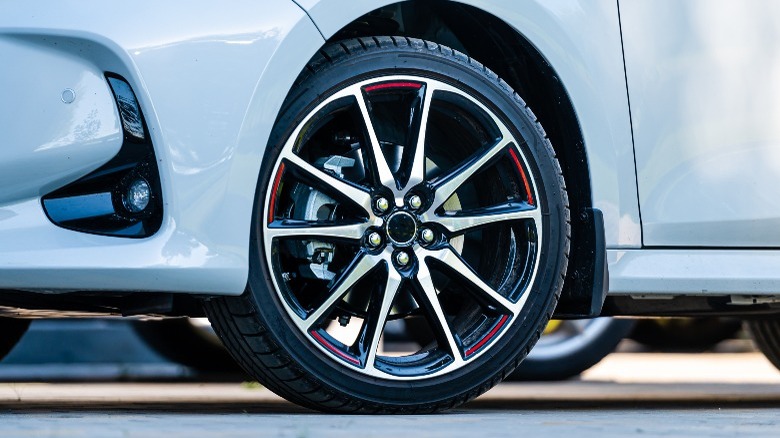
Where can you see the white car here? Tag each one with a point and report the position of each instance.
(313, 172)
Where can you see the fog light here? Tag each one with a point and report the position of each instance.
(137, 196)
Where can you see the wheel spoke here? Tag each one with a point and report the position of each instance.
(381, 167)
(300, 228)
(361, 266)
(431, 302)
(375, 323)
(457, 222)
(417, 172)
(338, 186)
(450, 183)
(463, 270)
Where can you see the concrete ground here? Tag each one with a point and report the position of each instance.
(647, 394)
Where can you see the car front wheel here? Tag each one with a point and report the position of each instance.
(402, 180)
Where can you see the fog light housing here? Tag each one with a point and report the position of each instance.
(137, 196)
(123, 197)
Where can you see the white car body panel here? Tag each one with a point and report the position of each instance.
(50, 140)
(581, 40)
(705, 102)
(671, 272)
(212, 85)
(209, 116)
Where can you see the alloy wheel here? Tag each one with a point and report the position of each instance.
(360, 232)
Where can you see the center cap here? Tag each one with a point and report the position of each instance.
(401, 228)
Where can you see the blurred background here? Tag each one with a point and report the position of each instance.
(121, 349)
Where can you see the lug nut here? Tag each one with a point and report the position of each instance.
(427, 235)
(415, 202)
(374, 239)
(382, 204)
(402, 258)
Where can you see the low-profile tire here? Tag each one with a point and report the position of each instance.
(573, 347)
(11, 331)
(766, 336)
(183, 341)
(402, 179)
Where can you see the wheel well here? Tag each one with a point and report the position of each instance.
(501, 48)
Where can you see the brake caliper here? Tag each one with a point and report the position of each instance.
(313, 205)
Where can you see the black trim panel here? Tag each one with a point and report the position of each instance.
(587, 279)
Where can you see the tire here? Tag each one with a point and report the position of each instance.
(187, 342)
(766, 336)
(348, 245)
(572, 347)
(685, 334)
(12, 330)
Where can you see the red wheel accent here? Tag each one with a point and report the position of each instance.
(386, 85)
(522, 175)
(333, 348)
(487, 337)
(274, 191)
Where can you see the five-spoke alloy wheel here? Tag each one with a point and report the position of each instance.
(403, 182)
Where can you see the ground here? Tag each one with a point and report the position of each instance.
(652, 394)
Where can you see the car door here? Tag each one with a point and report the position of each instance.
(704, 87)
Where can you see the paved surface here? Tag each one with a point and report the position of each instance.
(638, 394)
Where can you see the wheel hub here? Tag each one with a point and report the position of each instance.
(401, 228)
